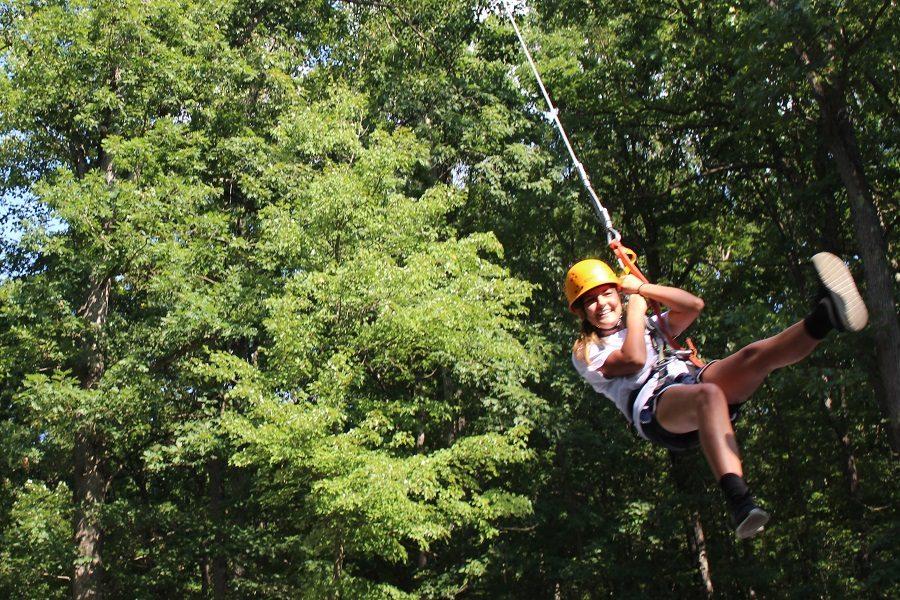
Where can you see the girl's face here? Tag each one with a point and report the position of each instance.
(602, 306)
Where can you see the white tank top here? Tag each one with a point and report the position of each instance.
(618, 389)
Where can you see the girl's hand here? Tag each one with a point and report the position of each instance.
(630, 284)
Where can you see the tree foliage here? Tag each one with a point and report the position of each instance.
(280, 308)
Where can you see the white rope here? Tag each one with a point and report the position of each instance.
(602, 213)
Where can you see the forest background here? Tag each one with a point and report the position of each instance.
(281, 310)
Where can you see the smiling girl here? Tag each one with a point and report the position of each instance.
(670, 402)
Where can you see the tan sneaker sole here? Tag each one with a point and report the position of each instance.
(849, 309)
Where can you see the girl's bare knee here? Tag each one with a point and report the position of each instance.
(709, 396)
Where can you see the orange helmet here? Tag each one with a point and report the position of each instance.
(586, 275)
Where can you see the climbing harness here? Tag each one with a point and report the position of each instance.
(627, 258)
(624, 255)
(665, 352)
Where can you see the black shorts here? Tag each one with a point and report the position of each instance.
(658, 434)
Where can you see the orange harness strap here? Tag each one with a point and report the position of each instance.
(627, 258)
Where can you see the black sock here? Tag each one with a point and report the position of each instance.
(735, 489)
(818, 323)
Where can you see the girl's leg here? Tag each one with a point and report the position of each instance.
(704, 408)
(740, 374)
(841, 307)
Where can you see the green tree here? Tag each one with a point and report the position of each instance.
(220, 260)
(700, 132)
(285, 320)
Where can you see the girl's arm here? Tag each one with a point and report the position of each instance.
(684, 307)
(631, 357)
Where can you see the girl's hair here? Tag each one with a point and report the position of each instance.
(589, 335)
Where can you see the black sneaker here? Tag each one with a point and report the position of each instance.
(748, 519)
(846, 309)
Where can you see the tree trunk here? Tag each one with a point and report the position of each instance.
(90, 489)
(338, 568)
(840, 140)
(697, 544)
(682, 469)
(90, 479)
(217, 572)
(422, 558)
(842, 433)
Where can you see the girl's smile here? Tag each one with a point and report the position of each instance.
(603, 307)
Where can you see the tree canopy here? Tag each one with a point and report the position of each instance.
(281, 310)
